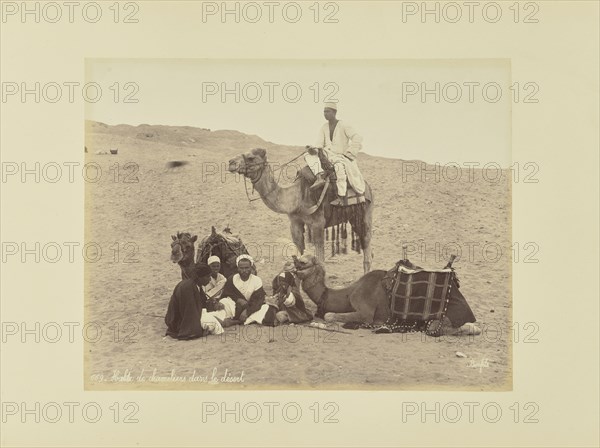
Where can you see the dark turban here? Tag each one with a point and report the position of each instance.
(201, 270)
(284, 277)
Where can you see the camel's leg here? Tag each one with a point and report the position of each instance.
(354, 316)
(318, 239)
(366, 240)
(297, 229)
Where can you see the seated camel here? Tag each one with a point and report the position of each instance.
(364, 301)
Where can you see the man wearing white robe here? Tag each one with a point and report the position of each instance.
(245, 284)
(341, 145)
(212, 322)
(214, 288)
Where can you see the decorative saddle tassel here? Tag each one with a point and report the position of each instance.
(332, 241)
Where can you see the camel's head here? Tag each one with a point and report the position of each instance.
(249, 164)
(307, 266)
(182, 247)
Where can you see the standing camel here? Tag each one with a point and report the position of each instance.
(293, 202)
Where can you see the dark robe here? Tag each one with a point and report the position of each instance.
(297, 312)
(257, 299)
(185, 310)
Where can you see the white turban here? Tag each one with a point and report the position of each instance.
(244, 257)
(213, 259)
(331, 106)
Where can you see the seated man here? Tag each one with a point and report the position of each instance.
(186, 305)
(218, 315)
(285, 305)
(217, 280)
(245, 289)
(289, 299)
(341, 145)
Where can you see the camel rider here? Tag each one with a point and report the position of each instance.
(217, 280)
(340, 145)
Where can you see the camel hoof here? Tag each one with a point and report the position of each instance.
(329, 317)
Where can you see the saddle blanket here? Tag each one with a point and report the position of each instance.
(419, 294)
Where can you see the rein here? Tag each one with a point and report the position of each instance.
(322, 298)
(261, 173)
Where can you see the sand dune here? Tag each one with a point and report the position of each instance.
(137, 203)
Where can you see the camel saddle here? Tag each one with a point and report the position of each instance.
(351, 198)
(420, 296)
(417, 294)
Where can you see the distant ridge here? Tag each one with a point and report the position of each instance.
(186, 136)
(222, 140)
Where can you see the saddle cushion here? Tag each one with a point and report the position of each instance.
(420, 295)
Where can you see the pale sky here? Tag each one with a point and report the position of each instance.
(188, 92)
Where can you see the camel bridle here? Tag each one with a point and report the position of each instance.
(182, 248)
(260, 173)
(252, 180)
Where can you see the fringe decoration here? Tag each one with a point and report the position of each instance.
(343, 216)
(332, 241)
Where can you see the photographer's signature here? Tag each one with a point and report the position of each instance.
(481, 364)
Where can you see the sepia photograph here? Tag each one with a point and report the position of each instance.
(301, 224)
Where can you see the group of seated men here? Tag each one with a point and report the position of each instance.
(208, 302)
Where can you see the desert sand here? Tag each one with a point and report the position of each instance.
(134, 204)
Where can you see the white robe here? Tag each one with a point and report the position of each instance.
(247, 288)
(209, 321)
(341, 151)
(214, 288)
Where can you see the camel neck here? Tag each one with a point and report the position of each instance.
(280, 200)
(315, 292)
(187, 260)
